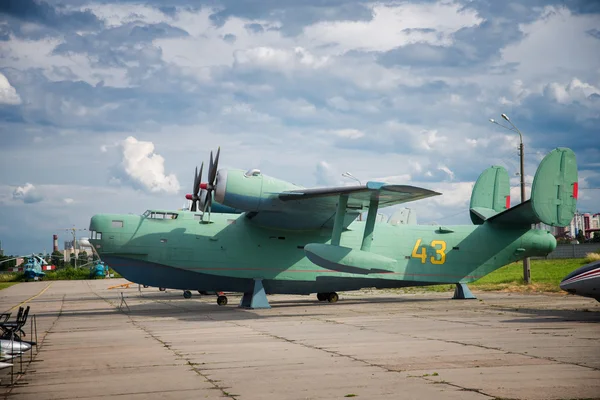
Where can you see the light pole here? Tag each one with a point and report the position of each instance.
(74, 233)
(349, 175)
(526, 264)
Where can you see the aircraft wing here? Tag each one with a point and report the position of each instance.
(316, 208)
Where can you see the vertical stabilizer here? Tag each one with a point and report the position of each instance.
(491, 194)
(553, 193)
(555, 189)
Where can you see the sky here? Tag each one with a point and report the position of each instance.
(108, 106)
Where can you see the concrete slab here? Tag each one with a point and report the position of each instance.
(374, 345)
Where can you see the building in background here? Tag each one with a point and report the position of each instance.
(587, 223)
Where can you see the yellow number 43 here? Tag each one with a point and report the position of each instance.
(440, 251)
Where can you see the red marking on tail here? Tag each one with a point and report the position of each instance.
(507, 202)
(575, 190)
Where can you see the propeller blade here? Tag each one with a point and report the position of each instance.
(194, 191)
(210, 170)
(196, 183)
(216, 166)
(200, 177)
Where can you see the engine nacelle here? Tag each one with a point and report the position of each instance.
(249, 191)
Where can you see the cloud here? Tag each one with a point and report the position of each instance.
(143, 169)
(395, 25)
(382, 89)
(348, 133)
(8, 94)
(575, 90)
(28, 194)
(35, 19)
(279, 59)
(326, 175)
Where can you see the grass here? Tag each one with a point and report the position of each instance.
(69, 273)
(4, 285)
(546, 276)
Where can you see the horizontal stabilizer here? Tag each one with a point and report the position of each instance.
(344, 259)
(553, 194)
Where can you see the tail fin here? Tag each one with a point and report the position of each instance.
(553, 193)
(491, 194)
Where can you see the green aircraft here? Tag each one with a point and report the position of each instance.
(293, 240)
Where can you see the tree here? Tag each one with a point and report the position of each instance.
(83, 257)
(596, 238)
(72, 258)
(580, 236)
(58, 259)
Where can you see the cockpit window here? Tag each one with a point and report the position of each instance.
(161, 215)
(117, 224)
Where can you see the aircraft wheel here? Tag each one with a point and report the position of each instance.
(187, 294)
(322, 296)
(332, 297)
(162, 289)
(222, 300)
(145, 286)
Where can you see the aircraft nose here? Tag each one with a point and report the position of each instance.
(110, 231)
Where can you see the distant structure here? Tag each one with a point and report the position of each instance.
(54, 243)
(70, 249)
(587, 223)
(1, 250)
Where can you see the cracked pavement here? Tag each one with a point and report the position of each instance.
(371, 344)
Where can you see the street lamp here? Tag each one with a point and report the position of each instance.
(526, 264)
(349, 175)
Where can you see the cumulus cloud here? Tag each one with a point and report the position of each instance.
(28, 194)
(8, 94)
(395, 25)
(279, 59)
(143, 169)
(326, 175)
(575, 90)
(348, 133)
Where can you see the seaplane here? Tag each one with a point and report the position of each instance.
(287, 239)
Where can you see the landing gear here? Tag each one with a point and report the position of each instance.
(222, 300)
(162, 289)
(187, 294)
(331, 297)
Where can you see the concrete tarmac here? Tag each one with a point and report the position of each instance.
(370, 345)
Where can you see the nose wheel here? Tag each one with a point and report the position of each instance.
(187, 294)
(331, 297)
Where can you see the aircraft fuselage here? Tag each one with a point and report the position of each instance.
(230, 252)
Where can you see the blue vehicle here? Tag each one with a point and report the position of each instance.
(98, 269)
(33, 268)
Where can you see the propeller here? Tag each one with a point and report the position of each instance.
(195, 198)
(211, 184)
